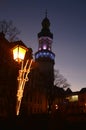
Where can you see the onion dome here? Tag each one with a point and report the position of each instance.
(45, 23)
(45, 31)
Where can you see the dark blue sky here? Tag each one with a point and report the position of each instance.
(68, 25)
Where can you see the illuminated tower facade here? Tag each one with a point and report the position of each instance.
(44, 57)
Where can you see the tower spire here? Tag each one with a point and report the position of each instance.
(45, 31)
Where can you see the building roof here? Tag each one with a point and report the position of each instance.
(83, 90)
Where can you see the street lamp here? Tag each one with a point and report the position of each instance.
(19, 52)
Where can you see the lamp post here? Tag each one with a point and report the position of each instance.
(19, 54)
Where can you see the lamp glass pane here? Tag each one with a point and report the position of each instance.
(21, 54)
(15, 53)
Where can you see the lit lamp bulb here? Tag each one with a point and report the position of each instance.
(19, 53)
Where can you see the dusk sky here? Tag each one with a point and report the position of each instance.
(68, 25)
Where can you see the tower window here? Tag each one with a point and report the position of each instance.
(49, 48)
(44, 47)
(39, 49)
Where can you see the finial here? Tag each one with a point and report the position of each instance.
(46, 13)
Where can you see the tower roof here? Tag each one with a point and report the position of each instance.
(45, 23)
(45, 31)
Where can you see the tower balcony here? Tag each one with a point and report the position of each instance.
(45, 54)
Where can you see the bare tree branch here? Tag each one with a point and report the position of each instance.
(10, 31)
(60, 81)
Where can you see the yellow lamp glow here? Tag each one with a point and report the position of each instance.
(19, 53)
